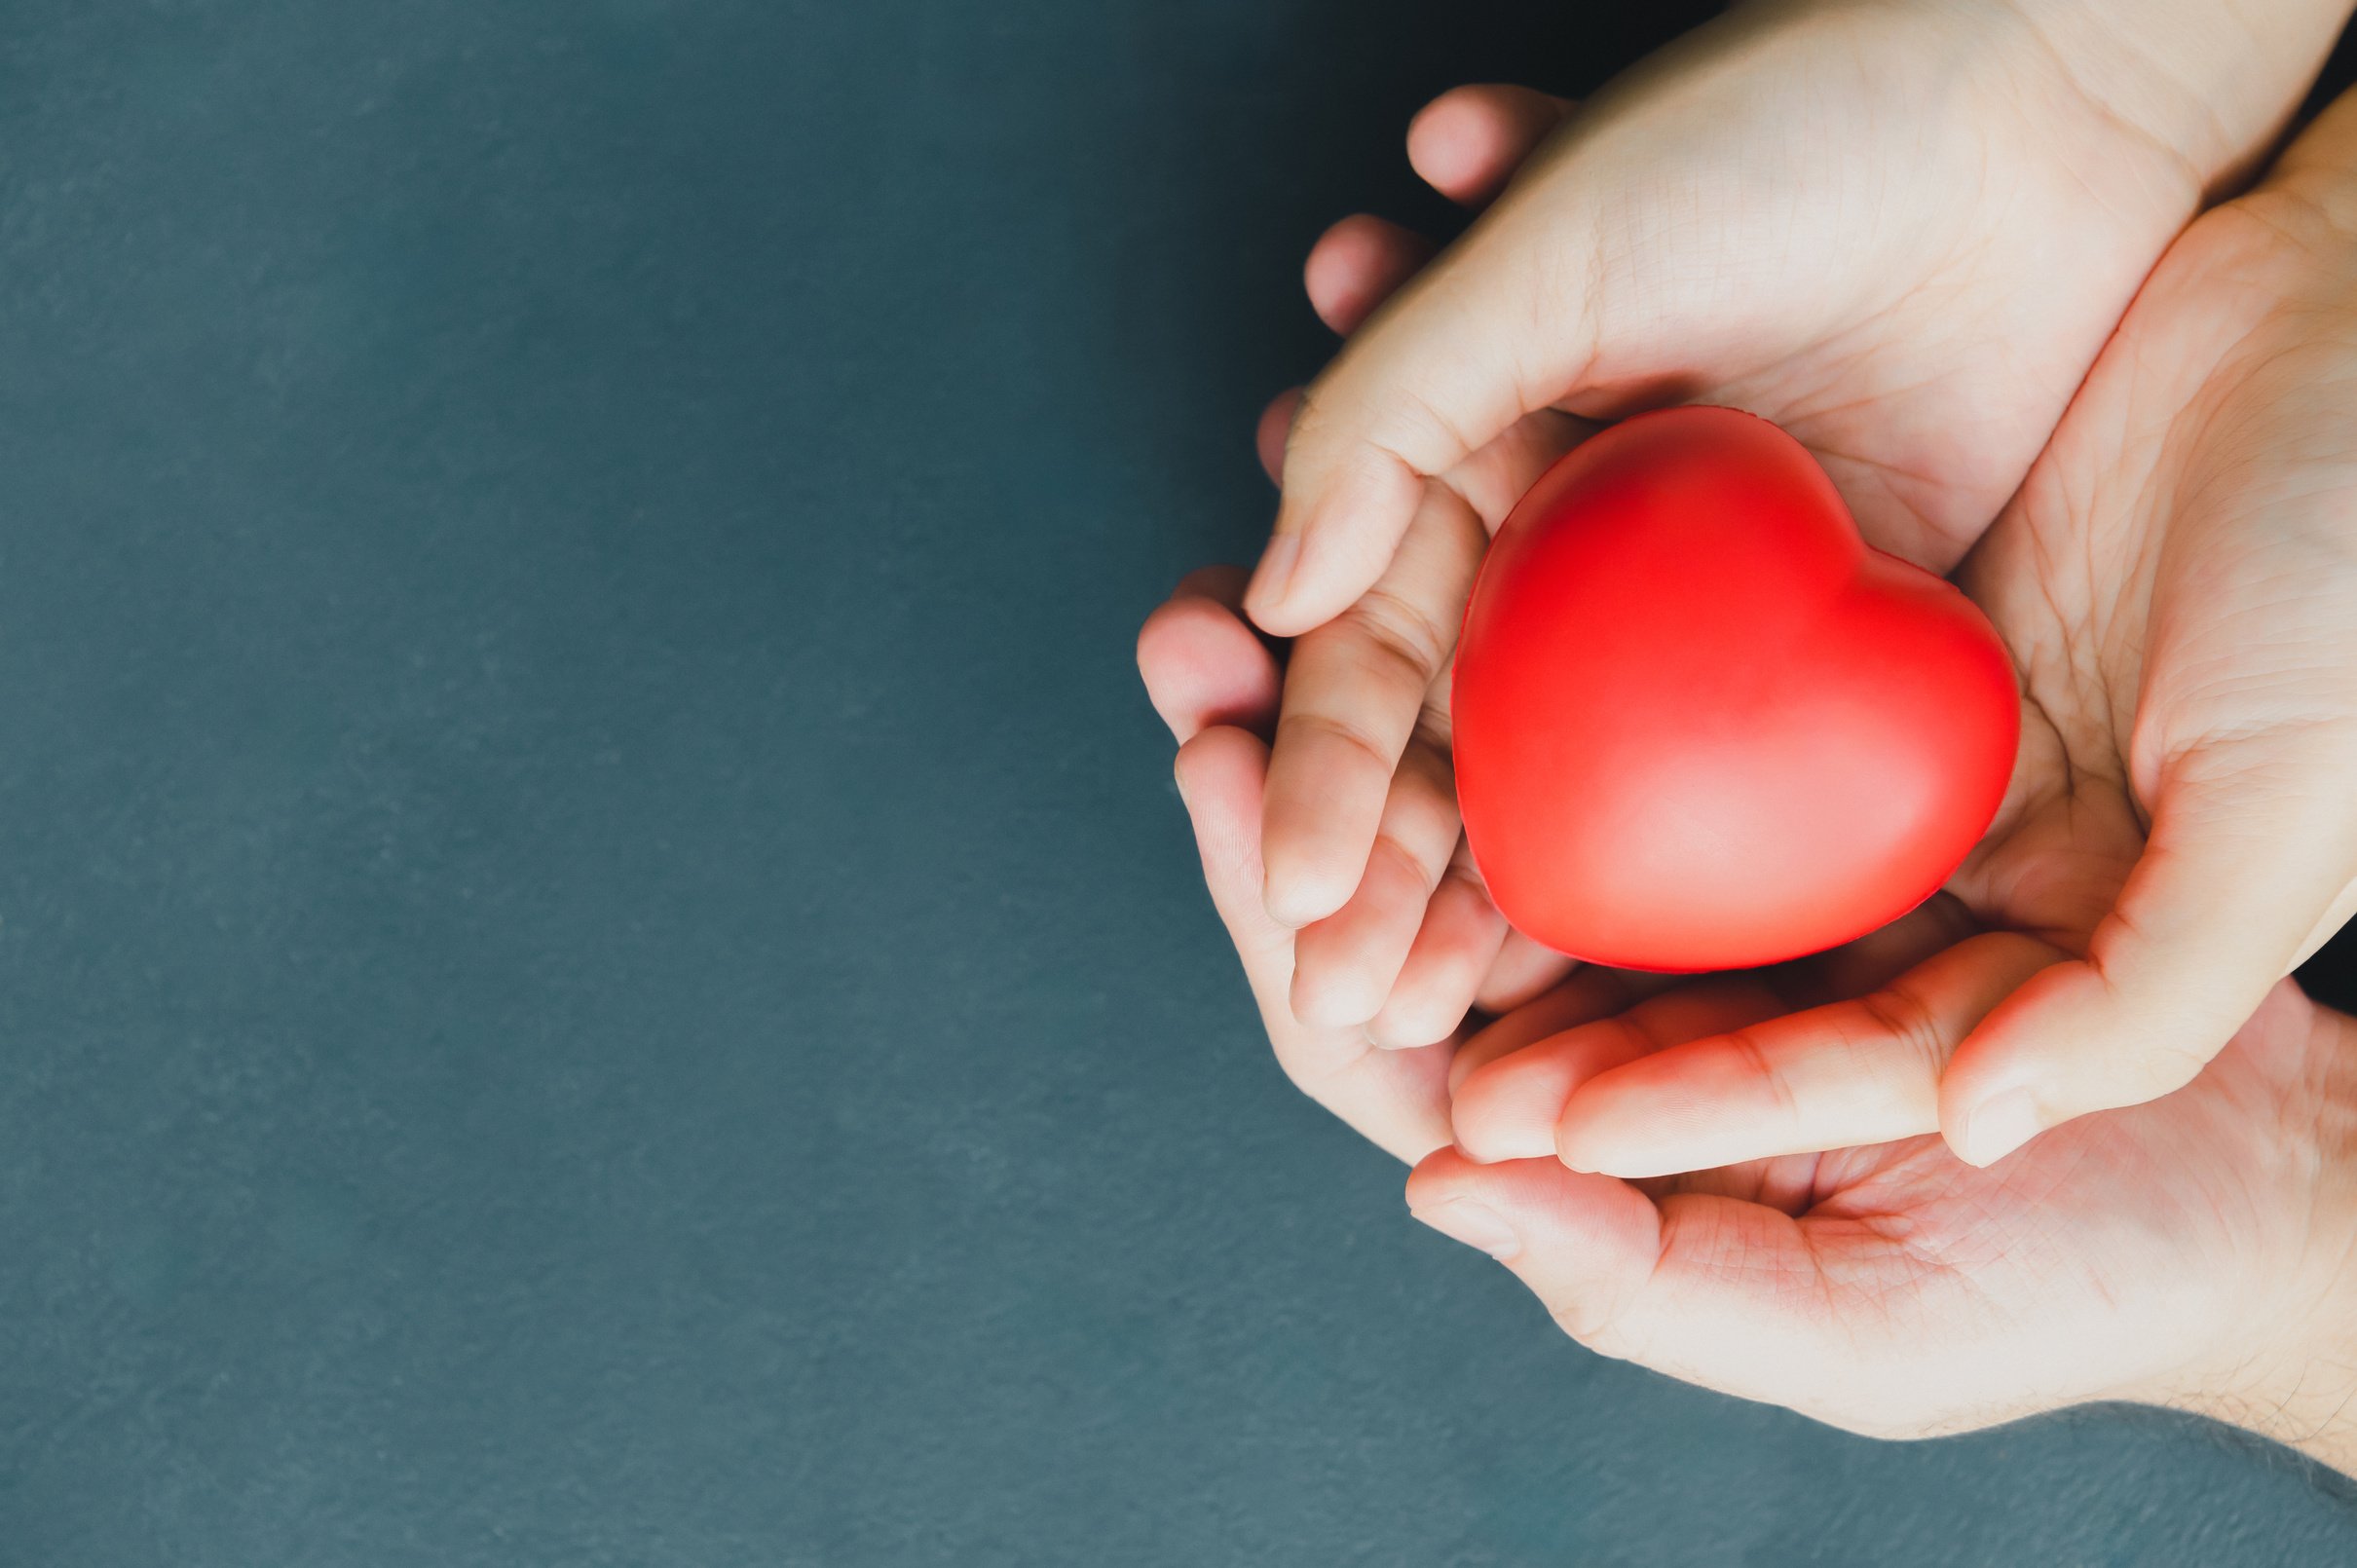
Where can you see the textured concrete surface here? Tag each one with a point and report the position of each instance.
(598, 965)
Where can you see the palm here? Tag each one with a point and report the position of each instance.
(2172, 581)
(1844, 283)
(2175, 607)
(1888, 1288)
(1905, 275)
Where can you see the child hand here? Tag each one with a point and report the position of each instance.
(2194, 1252)
(1418, 941)
(1888, 1288)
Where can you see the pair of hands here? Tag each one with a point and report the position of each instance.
(1814, 212)
(1903, 232)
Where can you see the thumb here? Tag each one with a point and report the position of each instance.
(1734, 1295)
(2245, 872)
(1445, 367)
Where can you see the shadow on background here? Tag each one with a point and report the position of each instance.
(1261, 126)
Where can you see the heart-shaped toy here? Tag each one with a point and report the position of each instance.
(1698, 724)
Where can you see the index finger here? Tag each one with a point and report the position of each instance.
(1854, 1072)
(1355, 693)
(1444, 367)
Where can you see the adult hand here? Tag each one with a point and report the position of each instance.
(2176, 582)
(1902, 231)
(1215, 683)
(2195, 1253)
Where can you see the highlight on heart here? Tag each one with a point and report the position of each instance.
(1700, 724)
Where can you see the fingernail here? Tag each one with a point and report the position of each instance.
(1465, 1220)
(1276, 571)
(2000, 1125)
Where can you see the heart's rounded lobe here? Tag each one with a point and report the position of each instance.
(1698, 724)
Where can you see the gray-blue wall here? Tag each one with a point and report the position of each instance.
(598, 965)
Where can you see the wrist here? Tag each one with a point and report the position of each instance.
(2211, 84)
(2287, 1370)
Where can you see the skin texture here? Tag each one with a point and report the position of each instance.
(2198, 1252)
(2173, 581)
(1903, 232)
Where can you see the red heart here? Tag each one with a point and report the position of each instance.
(1698, 724)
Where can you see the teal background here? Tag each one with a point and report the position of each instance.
(598, 964)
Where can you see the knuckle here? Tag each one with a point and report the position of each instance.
(2153, 1068)
(1421, 814)
(1419, 435)
(1909, 1023)
(1401, 633)
(1581, 1321)
(1757, 1058)
(1337, 731)
(1423, 871)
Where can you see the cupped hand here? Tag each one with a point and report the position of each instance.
(1901, 231)
(1361, 775)
(2194, 1252)
(1214, 682)
(2176, 582)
